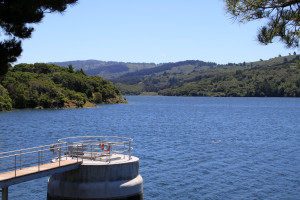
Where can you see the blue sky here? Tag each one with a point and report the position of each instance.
(156, 31)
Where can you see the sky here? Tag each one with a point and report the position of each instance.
(156, 31)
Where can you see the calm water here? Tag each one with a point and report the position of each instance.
(189, 148)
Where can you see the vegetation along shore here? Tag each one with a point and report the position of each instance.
(276, 77)
(43, 85)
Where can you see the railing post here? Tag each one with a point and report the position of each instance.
(59, 156)
(72, 155)
(39, 160)
(20, 159)
(109, 153)
(15, 165)
(82, 154)
(124, 149)
(68, 142)
(77, 153)
(91, 148)
(129, 150)
(66, 150)
(42, 155)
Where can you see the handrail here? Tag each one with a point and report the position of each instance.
(18, 159)
(88, 136)
(79, 148)
(114, 142)
(29, 148)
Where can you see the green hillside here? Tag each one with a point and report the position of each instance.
(274, 77)
(50, 86)
(107, 70)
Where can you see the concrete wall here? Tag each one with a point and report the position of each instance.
(98, 181)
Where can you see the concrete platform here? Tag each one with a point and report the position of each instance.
(98, 180)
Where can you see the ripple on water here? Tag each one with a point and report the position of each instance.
(189, 148)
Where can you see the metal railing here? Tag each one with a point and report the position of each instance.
(97, 147)
(102, 148)
(35, 156)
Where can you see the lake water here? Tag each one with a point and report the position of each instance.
(189, 148)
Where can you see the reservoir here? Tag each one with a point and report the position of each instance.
(189, 147)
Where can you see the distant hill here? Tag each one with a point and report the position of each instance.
(278, 76)
(274, 77)
(107, 70)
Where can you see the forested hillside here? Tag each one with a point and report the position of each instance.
(50, 86)
(107, 70)
(277, 77)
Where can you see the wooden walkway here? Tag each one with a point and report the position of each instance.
(30, 173)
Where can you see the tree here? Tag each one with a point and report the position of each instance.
(71, 68)
(15, 15)
(80, 72)
(283, 18)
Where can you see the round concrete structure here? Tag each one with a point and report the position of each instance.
(118, 179)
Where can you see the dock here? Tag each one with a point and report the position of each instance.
(26, 174)
(73, 153)
(32, 163)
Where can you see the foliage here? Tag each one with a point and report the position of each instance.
(274, 77)
(51, 86)
(283, 18)
(14, 19)
(269, 81)
(71, 69)
(5, 100)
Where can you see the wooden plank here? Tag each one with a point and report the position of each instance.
(35, 169)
